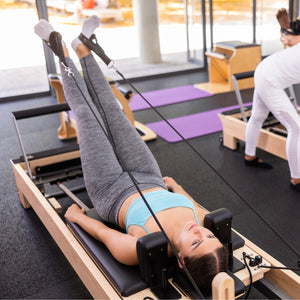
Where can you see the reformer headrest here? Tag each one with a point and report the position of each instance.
(126, 279)
(219, 222)
(155, 266)
(152, 247)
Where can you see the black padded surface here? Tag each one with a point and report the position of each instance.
(47, 153)
(237, 241)
(126, 279)
(236, 44)
(243, 75)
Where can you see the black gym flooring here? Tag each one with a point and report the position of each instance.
(32, 265)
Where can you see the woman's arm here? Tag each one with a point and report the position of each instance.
(122, 246)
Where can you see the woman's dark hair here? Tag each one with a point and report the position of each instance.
(203, 269)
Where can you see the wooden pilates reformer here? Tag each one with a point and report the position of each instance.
(228, 58)
(68, 126)
(272, 136)
(103, 276)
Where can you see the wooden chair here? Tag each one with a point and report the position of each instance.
(229, 58)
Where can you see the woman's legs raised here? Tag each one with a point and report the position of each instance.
(106, 182)
(131, 149)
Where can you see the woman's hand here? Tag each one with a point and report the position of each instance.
(289, 40)
(73, 212)
(172, 185)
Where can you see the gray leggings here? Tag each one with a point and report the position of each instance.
(108, 185)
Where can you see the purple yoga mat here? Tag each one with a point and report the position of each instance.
(167, 96)
(191, 126)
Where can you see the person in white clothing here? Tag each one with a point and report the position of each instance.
(274, 74)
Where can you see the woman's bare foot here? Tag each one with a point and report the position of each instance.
(283, 18)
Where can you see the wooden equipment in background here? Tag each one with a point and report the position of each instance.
(229, 58)
(68, 127)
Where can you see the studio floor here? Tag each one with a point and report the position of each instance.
(32, 265)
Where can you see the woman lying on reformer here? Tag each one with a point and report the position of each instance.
(111, 157)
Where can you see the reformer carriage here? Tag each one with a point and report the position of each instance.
(103, 276)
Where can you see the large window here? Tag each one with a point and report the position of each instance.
(235, 19)
(119, 34)
(267, 29)
(22, 62)
(185, 29)
(232, 20)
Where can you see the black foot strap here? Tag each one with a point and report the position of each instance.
(94, 46)
(294, 28)
(288, 32)
(55, 44)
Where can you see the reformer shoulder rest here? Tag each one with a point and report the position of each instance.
(128, 279)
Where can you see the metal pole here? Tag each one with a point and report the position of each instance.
(22, 147)
(42, 10)
(186, 20)
(211, 21)
(72, 196)
(254, 21)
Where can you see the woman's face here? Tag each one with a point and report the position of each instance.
(195, 240)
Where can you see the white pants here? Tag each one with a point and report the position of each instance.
(267, 97)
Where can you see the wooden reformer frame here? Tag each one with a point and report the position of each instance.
(272, 138)
(226, 59)
(98, 284)
(68, 127)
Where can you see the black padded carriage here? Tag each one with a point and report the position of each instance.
(127, 279)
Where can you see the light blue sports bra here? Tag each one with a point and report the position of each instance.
(138, 213)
